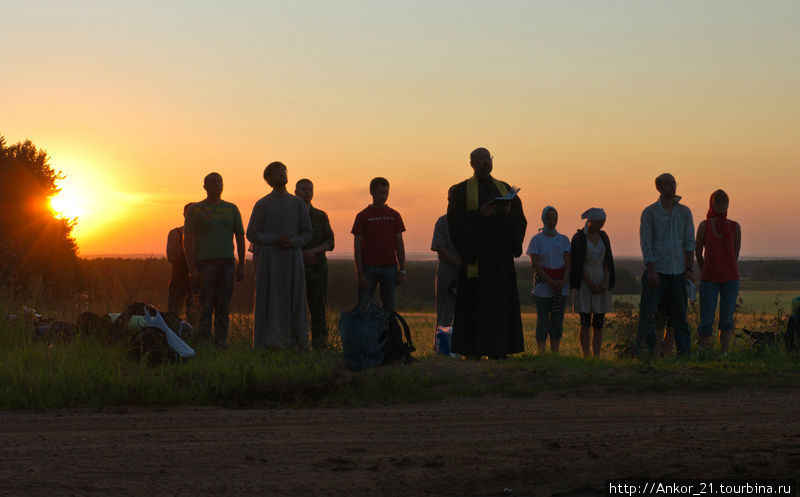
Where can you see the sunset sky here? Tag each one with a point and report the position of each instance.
(582, 103)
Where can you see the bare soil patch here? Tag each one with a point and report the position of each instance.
(556, 443)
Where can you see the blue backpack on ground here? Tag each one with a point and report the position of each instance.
(371, 336)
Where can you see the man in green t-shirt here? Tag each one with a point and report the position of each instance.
(208, 233)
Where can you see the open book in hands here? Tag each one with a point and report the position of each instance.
(512, 192)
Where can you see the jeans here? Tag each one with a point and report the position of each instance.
(216, 289)
(670, 295)
(548, 323)
(727, 293)
(386, 276)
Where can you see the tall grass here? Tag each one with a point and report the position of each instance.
(89, 372)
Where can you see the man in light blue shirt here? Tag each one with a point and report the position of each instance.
(666, 234)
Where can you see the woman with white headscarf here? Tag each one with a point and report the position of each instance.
(592, 278)
(549, 251)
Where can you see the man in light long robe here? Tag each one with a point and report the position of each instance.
(278, 227)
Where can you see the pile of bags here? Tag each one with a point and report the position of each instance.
(151, 336)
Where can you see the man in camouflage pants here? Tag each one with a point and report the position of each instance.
(316, 265)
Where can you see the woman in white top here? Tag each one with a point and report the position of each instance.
(549, 251)
(592, 278)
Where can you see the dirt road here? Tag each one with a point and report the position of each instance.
(560, 443)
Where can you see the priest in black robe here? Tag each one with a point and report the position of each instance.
(488, 234)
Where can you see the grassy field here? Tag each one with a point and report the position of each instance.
(88, 372)
(755, 297)
(619, 328)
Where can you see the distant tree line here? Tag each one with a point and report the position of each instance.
(110, 284)
(778, 270)
(755, 270)
(115, 282)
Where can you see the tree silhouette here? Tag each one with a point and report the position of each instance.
(33, 242)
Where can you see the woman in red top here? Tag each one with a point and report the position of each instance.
(718, 242)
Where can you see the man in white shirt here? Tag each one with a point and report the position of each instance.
(666, 234)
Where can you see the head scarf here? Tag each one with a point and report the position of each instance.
(544, 229)
(724, 226)
(593, 214)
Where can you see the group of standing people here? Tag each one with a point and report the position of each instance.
(477, 242)
(484, 234)
(584, 264)
(288, 237)
(669, 246)
(477, 303)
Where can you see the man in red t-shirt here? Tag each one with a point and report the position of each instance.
(379, 252)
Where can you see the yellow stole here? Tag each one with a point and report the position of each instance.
(472, 205)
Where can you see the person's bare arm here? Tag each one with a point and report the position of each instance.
(688, 259)
(174, 245)
(240, 252)
(737, 240)
(188, 250)
(700, 242)
(565, 279)
(360, 278)
(539, 271)
(400, 248)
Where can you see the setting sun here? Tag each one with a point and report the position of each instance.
(69, 203)
(87, 196)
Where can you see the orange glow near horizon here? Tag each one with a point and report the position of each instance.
(582, 105)
(88, 196)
